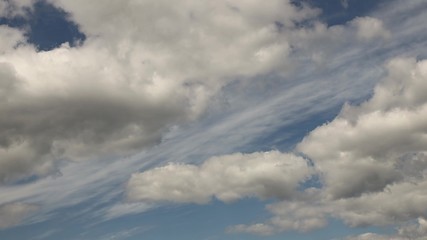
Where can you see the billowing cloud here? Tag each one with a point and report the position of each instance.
(371, 161)
(12, 214)
(228, 178)
(146, 67)
(143, 68)
(302, 215)
(362, 149)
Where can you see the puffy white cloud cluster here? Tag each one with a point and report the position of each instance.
(370, 146)
(227, 178)
(148, 65)
(371, 160)
(145, 66)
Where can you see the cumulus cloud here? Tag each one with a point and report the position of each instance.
(144, 67)
(12, 214)
(361, 149)
(371, 160)
(375, 154)
(228, 178)
(303, 215)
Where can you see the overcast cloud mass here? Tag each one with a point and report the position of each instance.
(303, 119)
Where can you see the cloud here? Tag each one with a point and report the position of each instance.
(370, 155)
(143, 68)
(13, 8)
(359, 150)
(228, 178)
(375, 154)
(344, 4)
(10, 38)
(369, 28)
(124, 88)
(12, 214)
(258, 229)
(413, 231)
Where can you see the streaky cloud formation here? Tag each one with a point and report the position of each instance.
(12, 214)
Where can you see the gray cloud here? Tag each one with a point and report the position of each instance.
(412, 231)
(12, 214)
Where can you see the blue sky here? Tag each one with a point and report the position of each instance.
(213, 120)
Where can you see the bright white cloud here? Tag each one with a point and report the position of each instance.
(228, 178)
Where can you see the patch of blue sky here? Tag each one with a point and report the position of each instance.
(336, 12)
(46, 26)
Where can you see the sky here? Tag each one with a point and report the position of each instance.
(212, 120)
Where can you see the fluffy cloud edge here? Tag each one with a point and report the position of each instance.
(227, 178)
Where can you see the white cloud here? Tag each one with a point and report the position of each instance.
(369, 28)
(359, 150)
(10, 38)
(228, 178)
(371, 160)
(110, 64)
(144, 67)
(12, 214)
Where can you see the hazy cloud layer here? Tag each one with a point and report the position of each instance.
(12, 214)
